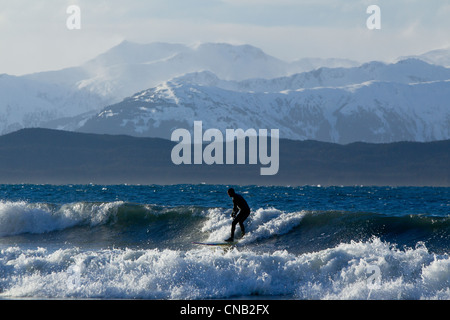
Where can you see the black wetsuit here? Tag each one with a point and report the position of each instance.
(244, 210)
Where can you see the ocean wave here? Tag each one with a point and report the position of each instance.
(297, 231)
(342, 272)
(303, 231)
(37, 218)
(23, 217)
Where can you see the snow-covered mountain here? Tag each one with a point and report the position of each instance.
(405, 71)
(30, 103)
(131, 67)
(376, 102)
(440, 57)
(234, 86)
(52, 98)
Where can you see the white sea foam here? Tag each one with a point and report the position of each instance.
(336, 273)
(262, 223)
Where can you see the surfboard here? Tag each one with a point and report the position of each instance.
(215, 243)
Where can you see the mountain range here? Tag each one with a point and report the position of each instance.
(439, 57)
(406, 101)
(149, 90)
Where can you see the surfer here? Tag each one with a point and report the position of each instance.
(240, 212)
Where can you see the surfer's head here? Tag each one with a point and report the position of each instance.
(231, 192)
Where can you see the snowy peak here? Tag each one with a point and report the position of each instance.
(130, 67)
(130, 52)
(375, 102)
(440, 57)
(134, 53)
(405, 71)
(229, 62)
(229, 51)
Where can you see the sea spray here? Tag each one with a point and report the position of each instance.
(335, 273)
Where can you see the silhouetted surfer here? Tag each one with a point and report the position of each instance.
(240, 212)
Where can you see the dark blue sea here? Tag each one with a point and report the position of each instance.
(311, 242)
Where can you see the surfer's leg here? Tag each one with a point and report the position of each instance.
(242, 216)
(241, 224)
(233, 228)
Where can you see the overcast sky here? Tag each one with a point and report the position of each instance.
(34, 36)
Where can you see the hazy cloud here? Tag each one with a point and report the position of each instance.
(34, 37)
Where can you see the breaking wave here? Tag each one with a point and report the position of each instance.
(298, 230)
(145, 251)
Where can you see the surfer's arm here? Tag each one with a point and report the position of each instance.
(235, 209)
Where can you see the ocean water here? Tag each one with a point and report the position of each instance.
(135, 242)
